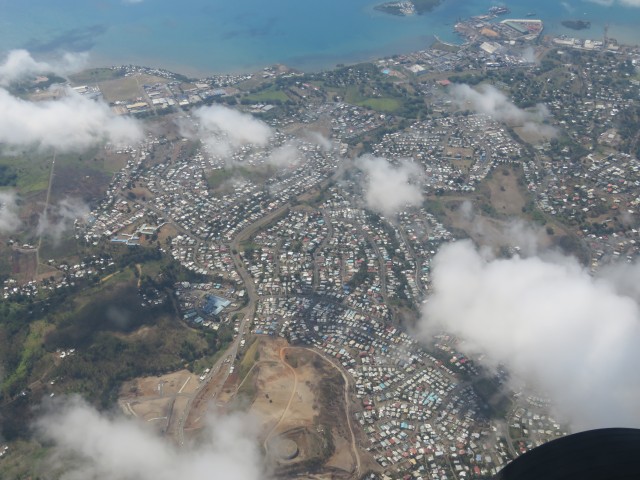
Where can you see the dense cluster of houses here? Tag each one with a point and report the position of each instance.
(417, 412)
(455, 152)
(327, 273)
(64, 276)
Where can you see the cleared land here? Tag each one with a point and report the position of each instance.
(158, 399)
(489, 216)
(127, 88)
(298, 399)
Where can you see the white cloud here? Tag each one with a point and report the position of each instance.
(92, 445)
(523, 237)
(59, 218)
(224, 130)
(610, 3)
(19, 64)
(284, 156)
(71, 123)
(572, 335)
(388, 188)
(320, 140)
(9, 220)
(491, 101)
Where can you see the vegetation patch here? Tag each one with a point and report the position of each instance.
(251, 356)
(268, 95)
(115, 309)
(94, 75)
(382, 104)
(8, 176)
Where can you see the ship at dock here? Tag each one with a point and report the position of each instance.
(499, 10)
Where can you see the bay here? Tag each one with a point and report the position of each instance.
(200, 37)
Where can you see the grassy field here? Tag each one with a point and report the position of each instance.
(268, 95)
(32, 168)
(445, 47)
(127, 88)
(32, 176)
(94, 75)
(247, 392)
(32, 352)
(217, 177)
(250, 357)
(381, 104)
(25, 460)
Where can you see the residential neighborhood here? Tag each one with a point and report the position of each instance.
(261, 247)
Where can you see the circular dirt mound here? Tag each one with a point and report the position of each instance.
(284, 448)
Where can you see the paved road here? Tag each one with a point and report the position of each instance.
(248, 314)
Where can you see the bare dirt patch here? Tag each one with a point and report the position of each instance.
(182, 381)
(159, 400)
(267, 390)
(298, 400)
(530, 135)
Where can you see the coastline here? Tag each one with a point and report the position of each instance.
(204, 44)
(306, 64)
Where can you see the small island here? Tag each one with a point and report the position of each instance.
(408, 7)
(401, 9)
(576, 24)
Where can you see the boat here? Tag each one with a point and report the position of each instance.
(499, 10)
(531, 14)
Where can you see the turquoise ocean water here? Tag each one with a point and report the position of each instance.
(226, 36)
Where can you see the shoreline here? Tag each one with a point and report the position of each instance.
(315, 67)
(188, 58)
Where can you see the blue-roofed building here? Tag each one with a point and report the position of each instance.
(214, 305)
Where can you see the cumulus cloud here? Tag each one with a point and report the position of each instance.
(522, 236)
(388, 188)
(286, 155)
(9, 220)
(572, 335)
(59, 218)
(323, 142)
(224, 130)
(19, 64)
(491, 101)
(624, 277)
(610, 3)
(88, 444)
(70, 123)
